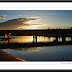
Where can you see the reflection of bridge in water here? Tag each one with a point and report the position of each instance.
(48, 33)
(28, 45)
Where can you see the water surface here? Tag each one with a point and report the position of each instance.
(44, 53)
(52, 53)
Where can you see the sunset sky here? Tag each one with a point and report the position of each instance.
(35, 19)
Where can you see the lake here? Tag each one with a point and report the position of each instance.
(44, 53)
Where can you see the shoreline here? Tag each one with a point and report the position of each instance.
(4, 56)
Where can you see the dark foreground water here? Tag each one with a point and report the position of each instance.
(46, 53)
(52, 53)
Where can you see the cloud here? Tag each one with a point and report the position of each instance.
(32, 17)
(15, 23)
(3, 17)
(2, 20)
(55, 15)
(20, 15)
(36, 24)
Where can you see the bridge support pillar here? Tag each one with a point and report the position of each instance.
(9, 41)
(56, 38)
(34, 38)
(63, 38)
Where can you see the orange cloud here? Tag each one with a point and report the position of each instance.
(3, 17)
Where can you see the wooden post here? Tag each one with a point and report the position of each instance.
(63, 38)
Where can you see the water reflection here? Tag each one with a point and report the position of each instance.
(41, 53)
(6, 42)
(29, 39)
(68, 38)
(26, 39)
(60, 39)
(22, 39)
(31, 49)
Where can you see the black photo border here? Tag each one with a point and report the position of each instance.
(35, 1)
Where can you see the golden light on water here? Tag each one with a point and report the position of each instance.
(22, 39)
(26, 39)
(29, 39)
(45, 39)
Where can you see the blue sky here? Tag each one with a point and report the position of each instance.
(47, 18)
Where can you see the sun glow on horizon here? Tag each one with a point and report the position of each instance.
(30, 27)
(32, 24)
(34, 27)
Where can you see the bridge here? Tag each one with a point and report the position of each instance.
(47, 32)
